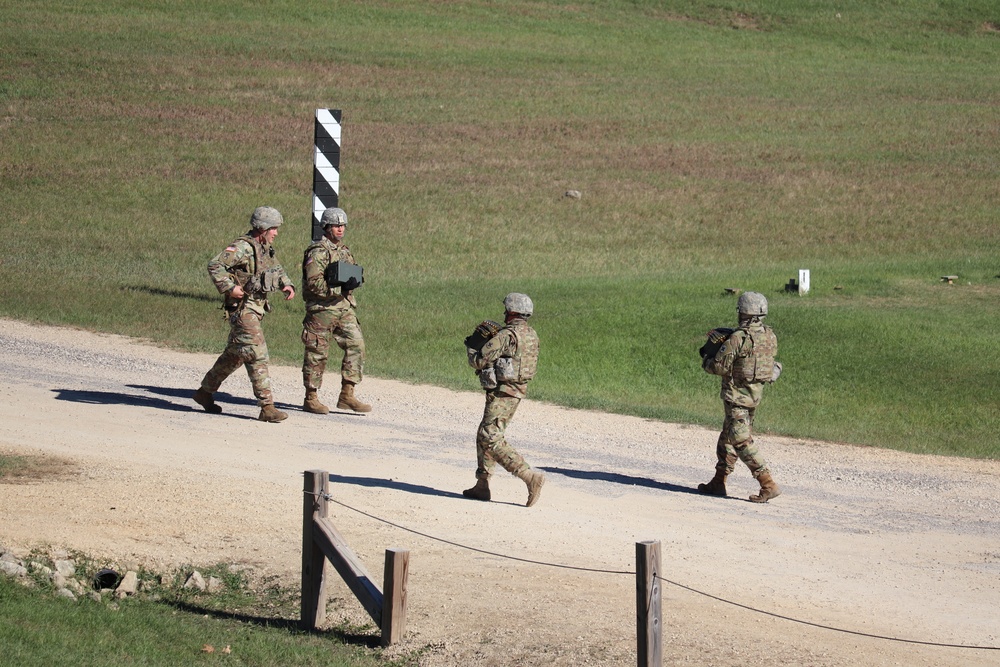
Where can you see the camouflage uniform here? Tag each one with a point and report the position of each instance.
(745, 361)
(518, 343)
(252, 265)
(330, 316)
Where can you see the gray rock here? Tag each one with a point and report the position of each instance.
(66, 568)
(128, 586)
(214, 585)
(196, 581)
(13, 569)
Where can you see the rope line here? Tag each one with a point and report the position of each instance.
(827, 627)
(858, 633)
(482, 551)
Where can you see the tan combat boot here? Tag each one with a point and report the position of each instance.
(716, 486)
(481, 491)
(312, 404)
(768, 488)
(205, 400)
(346, 401)
(269, 413)
(534, 479)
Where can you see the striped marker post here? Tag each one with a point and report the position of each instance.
(326, 172)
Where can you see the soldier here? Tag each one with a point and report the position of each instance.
(245, 272)
(330, 316)
(746, 363)
(505, 365)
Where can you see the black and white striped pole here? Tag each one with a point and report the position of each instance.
(326, 172)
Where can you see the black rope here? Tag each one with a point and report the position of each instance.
(482, 551)
(826, 627)
(673, 583)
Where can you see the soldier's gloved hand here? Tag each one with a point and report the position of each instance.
(776, 373)
(472, 356)
(352, 283)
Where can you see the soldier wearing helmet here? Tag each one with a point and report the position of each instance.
(505, 364)
(245, 273)
(331, 317)
(745, 361)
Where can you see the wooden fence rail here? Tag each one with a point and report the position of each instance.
(321, 541)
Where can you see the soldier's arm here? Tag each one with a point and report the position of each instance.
(314, 273)
(494, 349)
(722, 362)
(220, 267)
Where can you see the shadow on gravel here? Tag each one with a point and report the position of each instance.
(374, 482)
(352, 638)
(616, 478)
(185, 404)
(184, 394)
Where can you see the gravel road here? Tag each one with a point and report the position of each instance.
(862, 540)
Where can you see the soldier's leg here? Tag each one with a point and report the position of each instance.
(490, 438)
(317, 332)
(725, 462)
(228, 361)
(740, 421)
(223, 367)
(350, 339)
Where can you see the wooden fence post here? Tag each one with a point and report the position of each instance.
(313, 605)
(649, 636)
(397, 568)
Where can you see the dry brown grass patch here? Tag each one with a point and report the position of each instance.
(31, 468)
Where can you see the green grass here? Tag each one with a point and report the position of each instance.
(723, 144)
(167, 625)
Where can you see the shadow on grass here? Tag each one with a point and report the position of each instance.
(627, 480)
(175, 294)
(287, 624)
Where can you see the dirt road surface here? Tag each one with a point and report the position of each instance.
(863, 540)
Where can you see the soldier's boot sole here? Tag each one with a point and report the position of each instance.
(205, 400)
(271, 415)
(481, 491)
(535, 480)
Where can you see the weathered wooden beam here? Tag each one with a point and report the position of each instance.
(649, 631)
(349, 566)
(394, 583)
(313, 604)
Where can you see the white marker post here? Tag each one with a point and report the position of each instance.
(803, 281)
(326, 171)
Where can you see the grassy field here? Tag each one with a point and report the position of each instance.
(167, 625)
(715, 145)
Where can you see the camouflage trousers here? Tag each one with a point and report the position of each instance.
(736, 441)
(321, 328)
(491, 445)
(246, 347)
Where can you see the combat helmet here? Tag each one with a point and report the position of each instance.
(515, 302)
(333, 217)
(265, 217)
(752, 304)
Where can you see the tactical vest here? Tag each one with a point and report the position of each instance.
(522, 367)
(756, 364)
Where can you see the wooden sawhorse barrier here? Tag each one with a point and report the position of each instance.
(321, 541)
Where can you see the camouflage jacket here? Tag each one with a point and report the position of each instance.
(251, 265)
(733, 356)
(516, 347)
(317, 293)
